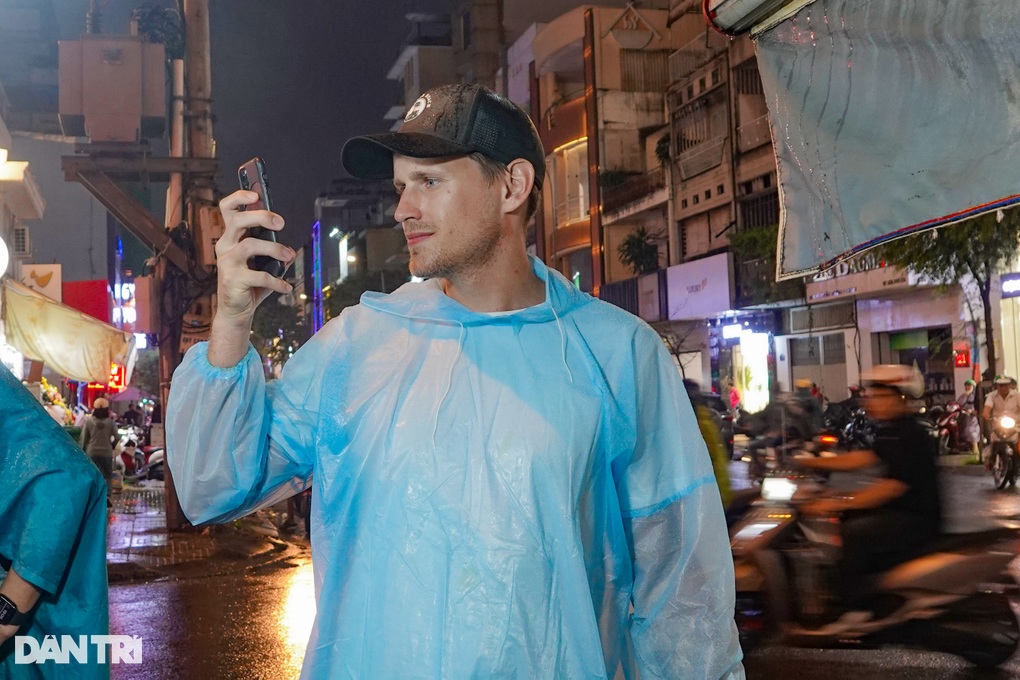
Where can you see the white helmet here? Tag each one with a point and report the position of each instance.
(907, 380)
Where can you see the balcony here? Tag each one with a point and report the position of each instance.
(695, 54)
(754, 134)
(701, 157)
(643, 296)
(633, 189)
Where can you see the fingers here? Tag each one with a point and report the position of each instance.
(237, 220)
(237, 257)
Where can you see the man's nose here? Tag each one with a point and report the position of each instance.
(407, 208)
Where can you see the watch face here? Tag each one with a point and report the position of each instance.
(8, 611)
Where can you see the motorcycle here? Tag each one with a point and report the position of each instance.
(946, 421)
(953, 598)
(1005, 464)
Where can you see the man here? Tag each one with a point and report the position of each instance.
(52, 538)
(889, 520)
(131, 416)
(501, 465)
(1004, 401)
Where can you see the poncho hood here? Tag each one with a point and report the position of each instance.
(426, 301)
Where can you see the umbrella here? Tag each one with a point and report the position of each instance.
(130, 394)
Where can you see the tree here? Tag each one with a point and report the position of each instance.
(278, 331)
(640, 251)
(348, 292)
(145, 375)
(978, 248)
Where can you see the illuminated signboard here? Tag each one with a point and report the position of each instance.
(1011, 285)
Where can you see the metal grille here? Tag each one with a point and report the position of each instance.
(644, 70)
(759, 211)
(804, 352)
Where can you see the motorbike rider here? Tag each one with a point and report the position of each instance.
(891, 519)
(968, 426)
(1004, 401)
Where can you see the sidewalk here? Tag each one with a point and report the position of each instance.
(139, 547)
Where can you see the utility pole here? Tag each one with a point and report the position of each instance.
(197, 140)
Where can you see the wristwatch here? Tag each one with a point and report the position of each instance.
(9, 614)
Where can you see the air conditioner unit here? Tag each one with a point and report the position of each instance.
(22, 246)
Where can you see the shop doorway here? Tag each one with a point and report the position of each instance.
(821, 359)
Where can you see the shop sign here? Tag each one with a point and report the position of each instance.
(1010, 285)
(700, 289)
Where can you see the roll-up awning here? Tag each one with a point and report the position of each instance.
(71, 343)
(888, 117)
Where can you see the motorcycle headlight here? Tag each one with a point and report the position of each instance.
(1007, 423)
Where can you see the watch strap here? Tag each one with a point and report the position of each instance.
(9, 614)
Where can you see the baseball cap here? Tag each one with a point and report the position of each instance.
(450, 120)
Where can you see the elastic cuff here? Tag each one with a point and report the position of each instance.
(199, 356)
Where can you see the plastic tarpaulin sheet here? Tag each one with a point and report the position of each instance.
(71, 343)
(889, 117)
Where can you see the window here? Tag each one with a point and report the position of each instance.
(570, 183)
(720, 190)
(708, 194)
(579, 266)
(715, 77)
(465, 29)
(696, 199)
(683, 203)
(644, 70)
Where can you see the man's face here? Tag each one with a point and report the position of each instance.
(450, 214)
(1003, 390)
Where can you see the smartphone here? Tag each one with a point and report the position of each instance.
(252, 177)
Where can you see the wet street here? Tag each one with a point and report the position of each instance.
(242, 625)
(253, 624)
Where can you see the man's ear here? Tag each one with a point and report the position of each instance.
(520, 179)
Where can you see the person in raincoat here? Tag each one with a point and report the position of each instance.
(507, 475)
(97, 435)
(52, 539)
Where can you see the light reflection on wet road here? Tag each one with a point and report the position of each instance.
(242, 625)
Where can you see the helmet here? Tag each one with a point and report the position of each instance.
(969, 382)
(907, 380)
(100, 403)
(1002, 380)
(803, 384)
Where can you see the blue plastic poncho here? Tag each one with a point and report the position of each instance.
(52, 531)
(491, 492)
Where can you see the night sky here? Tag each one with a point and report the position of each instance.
(292, 81)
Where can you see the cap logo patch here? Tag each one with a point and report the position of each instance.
(419, 105)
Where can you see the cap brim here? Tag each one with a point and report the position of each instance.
(371, 156)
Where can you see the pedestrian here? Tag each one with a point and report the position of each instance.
(52, 538)
(97, 435)
(507, 477)
(131, 416)
(968, 427)
(734, 396)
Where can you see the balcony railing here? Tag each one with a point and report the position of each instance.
(572, 210)
(643, 296)
(633, 189)
(702, 157)
(754, 134)
(696, 54)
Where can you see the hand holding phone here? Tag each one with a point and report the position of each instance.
(252, 177)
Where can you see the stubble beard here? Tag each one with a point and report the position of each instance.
(456, 261)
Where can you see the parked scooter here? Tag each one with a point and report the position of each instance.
(953, 598)
(1005, 465)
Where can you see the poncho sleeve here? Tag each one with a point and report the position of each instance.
(236, 443)
(683, 584)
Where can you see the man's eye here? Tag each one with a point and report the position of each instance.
(431, 182)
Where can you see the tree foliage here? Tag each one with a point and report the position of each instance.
(758, 245)
(979, 248)
(640, 251)
(278, 330)
(145, 375)
(348, 292)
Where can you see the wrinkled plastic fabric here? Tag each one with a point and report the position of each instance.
(490, 492)
(52, 531)
(889, 118)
